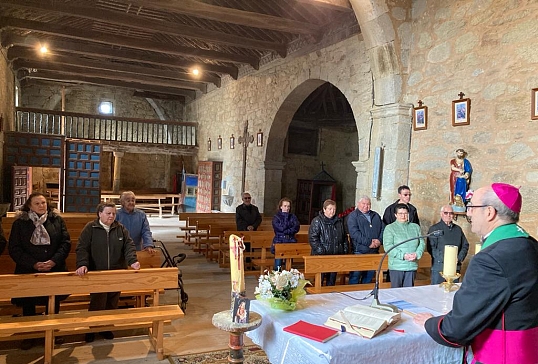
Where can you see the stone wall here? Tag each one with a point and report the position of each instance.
(337, 150)
(7, 106)
(261, 97)
(86, 99)
(485, 49)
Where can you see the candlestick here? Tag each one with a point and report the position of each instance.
(237, 266)
(477, 248)
(449, 285)
(450, 260)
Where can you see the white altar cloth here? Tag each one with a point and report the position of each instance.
(413, 345)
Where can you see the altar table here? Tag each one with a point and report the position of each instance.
(392, 346)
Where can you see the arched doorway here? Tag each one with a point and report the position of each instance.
(314, 134)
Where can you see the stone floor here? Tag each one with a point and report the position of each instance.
(208, 287)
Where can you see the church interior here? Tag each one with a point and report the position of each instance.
(308, 99)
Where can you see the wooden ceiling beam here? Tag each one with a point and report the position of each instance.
(113, 75)
(228, 15)
(10, 40)
(146, 24)
(123, 41)
(18, 52)
(58, 77)
(338, 5)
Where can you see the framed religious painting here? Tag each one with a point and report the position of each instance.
(461, 110)
(534, 104)
(420, 118)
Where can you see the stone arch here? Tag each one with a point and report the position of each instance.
(274, 164)
(384, 47)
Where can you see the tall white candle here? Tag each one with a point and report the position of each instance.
(450, 260)
(477, 248)
(237, 264)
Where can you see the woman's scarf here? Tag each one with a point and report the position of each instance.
(40, 235)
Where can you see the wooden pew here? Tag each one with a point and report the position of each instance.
(293, 252)
(318, 264)
(66, 323)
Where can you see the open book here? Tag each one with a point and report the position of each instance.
(362, 320)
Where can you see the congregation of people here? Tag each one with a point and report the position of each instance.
(39, 242)
(494, 310)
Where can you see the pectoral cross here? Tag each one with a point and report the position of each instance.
(245, 139)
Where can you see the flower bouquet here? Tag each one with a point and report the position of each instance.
(281, 289)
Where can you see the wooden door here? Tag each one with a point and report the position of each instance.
(22, 185)
(82, 188)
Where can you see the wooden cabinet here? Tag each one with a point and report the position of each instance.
(310, 197)
(209, 186)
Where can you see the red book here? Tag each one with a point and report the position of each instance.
(311, 331)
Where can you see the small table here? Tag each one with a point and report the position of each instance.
(223, 321)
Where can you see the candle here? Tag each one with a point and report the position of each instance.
(477, 248)
(237, 265)
(450, 260)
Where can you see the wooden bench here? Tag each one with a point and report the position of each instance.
(74, 322)
(293, 252)
(128, 297)
(149, 201)
(318, 264)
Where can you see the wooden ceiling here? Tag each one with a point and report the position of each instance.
(152, 46)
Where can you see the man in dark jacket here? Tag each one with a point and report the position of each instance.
(366, 232)
(327, 237)
(105, 244)
(404, 194)
(247, 216)
(452, 235)
(496, 308)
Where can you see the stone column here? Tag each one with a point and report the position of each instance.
(363, 180)
(117, 168)
(392, 131)
(273, 185)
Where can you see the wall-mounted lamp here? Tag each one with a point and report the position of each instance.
(259, 138)
(232, 142)
(209, 144)
(219, 142)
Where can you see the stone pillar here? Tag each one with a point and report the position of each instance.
(273, 185)
(363, 180)
(392, 131)
(117, 168)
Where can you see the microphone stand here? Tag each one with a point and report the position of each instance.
(375, 292)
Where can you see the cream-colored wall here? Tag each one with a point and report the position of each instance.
(259, 96)
(487, 50)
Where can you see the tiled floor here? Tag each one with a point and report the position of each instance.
(208, 287)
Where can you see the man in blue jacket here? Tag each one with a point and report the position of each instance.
(366, 232)
(135, 221)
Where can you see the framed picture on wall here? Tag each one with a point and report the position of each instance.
(534, 104)
(420, 118)
(461, 110)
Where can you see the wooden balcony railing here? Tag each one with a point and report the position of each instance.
(100, 127)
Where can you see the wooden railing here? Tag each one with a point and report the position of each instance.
(100, 127)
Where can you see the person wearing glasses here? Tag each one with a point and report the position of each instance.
(247, 216)
(403, 260)
(452, 235)
(404, 196)
(495, 311)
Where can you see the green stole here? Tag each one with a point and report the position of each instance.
(505, 232)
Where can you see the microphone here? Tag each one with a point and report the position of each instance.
(375, 292)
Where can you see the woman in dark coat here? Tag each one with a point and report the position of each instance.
(326, 236)
(285, 225)
(38, 243)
